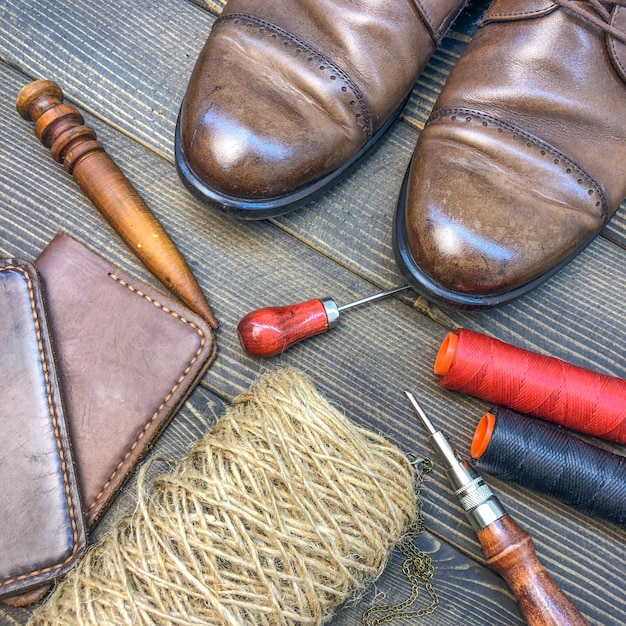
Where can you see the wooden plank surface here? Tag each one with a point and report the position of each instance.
(126, 63)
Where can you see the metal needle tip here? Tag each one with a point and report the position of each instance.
(376, 296)
(420, 412)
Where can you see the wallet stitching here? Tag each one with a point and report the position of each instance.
(53, 418)
(168, 396)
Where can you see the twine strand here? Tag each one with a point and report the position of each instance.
(281, 512)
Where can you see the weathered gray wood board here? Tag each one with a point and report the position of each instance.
(126, 64)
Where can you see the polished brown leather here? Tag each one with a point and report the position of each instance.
(128, 357)
(42, 532)
(286, 91)
(523, 159)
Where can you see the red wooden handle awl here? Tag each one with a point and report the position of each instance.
(270, 331)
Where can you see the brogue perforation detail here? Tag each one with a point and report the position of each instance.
(545, 150)
(357, 101)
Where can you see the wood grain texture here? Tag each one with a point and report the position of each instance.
(213, 6)
(54, 201)
(509, 551)
(127, 63)
(60, 127)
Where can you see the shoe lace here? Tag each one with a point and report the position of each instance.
(601, 16)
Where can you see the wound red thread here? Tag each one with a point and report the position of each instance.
(537, 385)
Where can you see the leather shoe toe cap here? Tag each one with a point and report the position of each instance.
(490, 209)
(262, 117)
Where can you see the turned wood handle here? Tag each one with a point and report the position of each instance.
(509, 551)
(61, 128)
(272, 330)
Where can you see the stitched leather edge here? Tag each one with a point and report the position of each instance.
(505, 16)
(437, 33)
(366, 116)
(559, 157)
(617, 49)
(427, 21)
(57, 436)
(170, 393)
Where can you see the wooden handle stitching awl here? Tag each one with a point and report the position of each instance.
(508, 549)
(270, 331)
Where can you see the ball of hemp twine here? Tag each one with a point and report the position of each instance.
(281, 512)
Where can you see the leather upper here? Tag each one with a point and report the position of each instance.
(524, 157)
(289, 90)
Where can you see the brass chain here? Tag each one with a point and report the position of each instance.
(417, 567)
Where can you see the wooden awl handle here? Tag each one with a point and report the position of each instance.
(509, 551)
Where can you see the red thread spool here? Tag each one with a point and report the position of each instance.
(533, 384)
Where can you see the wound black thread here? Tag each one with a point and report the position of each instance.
(545, 458)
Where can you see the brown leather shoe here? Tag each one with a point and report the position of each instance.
(523, 159)
(287, 95)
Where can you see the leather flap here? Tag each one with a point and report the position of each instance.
(128, 357)
(511, 10)
(438, 16)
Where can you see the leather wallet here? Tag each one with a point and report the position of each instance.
(42, 531)
(128, 357)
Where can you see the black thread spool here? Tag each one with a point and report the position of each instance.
(546, 459)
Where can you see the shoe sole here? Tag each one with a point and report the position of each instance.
(247, 209)
(438, 294)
